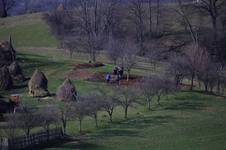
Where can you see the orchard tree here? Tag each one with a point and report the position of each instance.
(128, 98)
(5, 6)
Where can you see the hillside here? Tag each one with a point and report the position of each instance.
(185, 120)
(27, 31)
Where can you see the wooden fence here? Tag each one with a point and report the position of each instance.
(27, 142)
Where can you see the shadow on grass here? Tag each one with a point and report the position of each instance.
(131, 127)
(186, 106)
(68, 144)
(32, 61)
(208, 93)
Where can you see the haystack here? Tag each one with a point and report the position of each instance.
(16, 71)
(38, 85)
(7, 53)
(66, 91)
(5, 79)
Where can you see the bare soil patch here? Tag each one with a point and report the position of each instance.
(79, 74)
(100, 77)
(87, 65)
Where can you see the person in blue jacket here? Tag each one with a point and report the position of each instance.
(108, 77)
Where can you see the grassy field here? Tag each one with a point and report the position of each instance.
(27, 31)
(184, 121)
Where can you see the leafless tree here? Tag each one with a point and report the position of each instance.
(158, 17)
(91, 23)
(65, 114)
(80, 111)
(11, 129)
(94, 104)
(177, 68)
(138, 13)
(109, 101)
(114, 49)
(48, 115)
(207, 70)
(110, 18)
(187, 22)
(128, 57)
(212, 8)
(27, 118)
(148, 89)
(5, 6)
(150, 15)
(128, 97)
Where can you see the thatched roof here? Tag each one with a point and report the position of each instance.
(38, 84)
(66, 91)
(5, 79)
(16, 71)
(7, 53)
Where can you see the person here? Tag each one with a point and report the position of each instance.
(121, 73)
(108, 77)
(115, 71)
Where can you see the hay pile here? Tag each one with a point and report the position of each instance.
(66, 91)
(5, 79)
(7, 53)
(16, 71)
(38, 85)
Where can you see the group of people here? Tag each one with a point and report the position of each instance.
(117, 73)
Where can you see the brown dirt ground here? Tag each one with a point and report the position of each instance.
(81, 74)
(88, 65)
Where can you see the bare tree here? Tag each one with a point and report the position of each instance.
(148, 89)
(11, 129)
(206, 69)
(91, 23)
(177, 68)
(114, 49)
(48, 115)
(158, 17)
(187, 22)
(212, 8)
(150, 15)
(128, 97)
(27, 119)
(94, 104)
(138, 14)
(129, 57)
(65, 112)
(5, 6)
(109, 102)
(80, 111)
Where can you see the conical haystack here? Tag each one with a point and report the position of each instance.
(38, 85)
(7, 53)
(16, 71)
(66, 91)
(5, 79)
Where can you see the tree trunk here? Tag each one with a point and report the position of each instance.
(28, 132)
(206, 87)
(126, 112)
(3, 10)
(96, 121)
(157, 16)
(158, 99)
(64, 123)
(149, 104)
(80, 126)
(192, 81)
(218, 87)
(150, 16)
(128, 74)
(214, 24)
